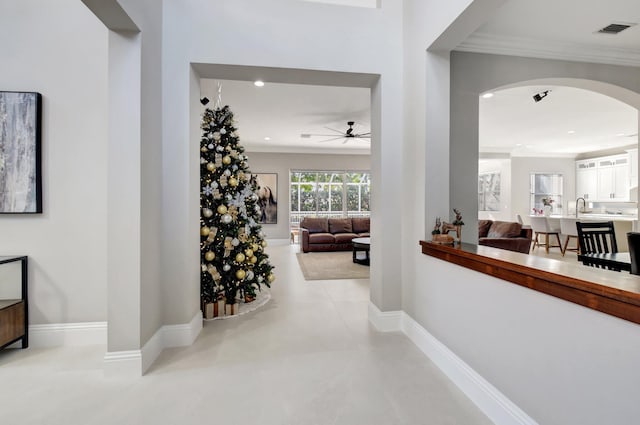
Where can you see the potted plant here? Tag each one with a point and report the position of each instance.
(547, 201)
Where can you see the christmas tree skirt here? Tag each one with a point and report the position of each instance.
(330, 266)
(262, 297)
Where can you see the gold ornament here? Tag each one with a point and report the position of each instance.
(222, 209)
(204, 149)
(233, 182)
(240, 257)
(240, 274)
(255, 246)
(204, 231)
(254, 259)
(264, 243)
(271, 277)
(226, 160)
(209, 255)
(248, 252)
(211, 166)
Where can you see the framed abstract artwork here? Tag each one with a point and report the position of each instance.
(20, 153)
(268, 197)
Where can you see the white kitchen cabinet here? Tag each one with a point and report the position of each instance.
(587, 180)
(613, 178)
(633, 167)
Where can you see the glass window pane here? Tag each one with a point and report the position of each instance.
(336, 197)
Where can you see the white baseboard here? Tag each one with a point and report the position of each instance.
(67, 334)
(489, 400)
(123, 364)
(137, 362)
(385, 321)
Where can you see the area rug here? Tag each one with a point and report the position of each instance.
(330, 266)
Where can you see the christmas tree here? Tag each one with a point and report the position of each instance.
(232, 244)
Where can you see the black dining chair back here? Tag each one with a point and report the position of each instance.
(596, 238)
(633, 238)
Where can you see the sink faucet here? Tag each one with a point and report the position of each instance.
(584, 205)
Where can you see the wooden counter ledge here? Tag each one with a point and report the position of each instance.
(614, 293)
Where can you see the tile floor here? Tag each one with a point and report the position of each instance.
(308, 357)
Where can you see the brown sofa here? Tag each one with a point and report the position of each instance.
(331, 234)
(504, 235)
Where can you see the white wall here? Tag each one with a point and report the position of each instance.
(284, 34)
(550, 357)
(502, 166)
(281, 164)
(522, 167)
(66, 244)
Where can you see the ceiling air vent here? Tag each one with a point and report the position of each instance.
(615, 28)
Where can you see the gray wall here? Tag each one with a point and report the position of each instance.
(260, 162)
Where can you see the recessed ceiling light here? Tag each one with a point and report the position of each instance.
(267, 138)
(620, 134)
(518, 144)
(487, 95)
(258, 83)
(571, 131)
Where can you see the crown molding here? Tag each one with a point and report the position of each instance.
(519, 46)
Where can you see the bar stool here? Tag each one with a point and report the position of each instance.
(568, 229)
(540, 226)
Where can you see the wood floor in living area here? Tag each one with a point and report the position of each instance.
(309, 356)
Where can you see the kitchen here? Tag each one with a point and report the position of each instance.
(579, 150)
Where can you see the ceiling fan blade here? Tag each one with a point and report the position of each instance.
(362, 136)
(329, 140)
(346, 139)
(333, 129)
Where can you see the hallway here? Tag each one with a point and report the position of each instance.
(309, 356)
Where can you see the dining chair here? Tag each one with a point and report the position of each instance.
(541, 226)
(633, 238)
(596, 237)
(569, 229)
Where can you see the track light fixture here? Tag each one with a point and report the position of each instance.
(204, 101)
(539, 96)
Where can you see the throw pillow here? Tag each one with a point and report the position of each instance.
(504, 229)
(340, 225)
(315, 224)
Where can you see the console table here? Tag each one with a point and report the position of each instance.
(14, 313)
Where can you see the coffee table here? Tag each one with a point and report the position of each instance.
(361, 244)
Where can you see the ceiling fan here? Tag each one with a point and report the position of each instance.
(347, 135)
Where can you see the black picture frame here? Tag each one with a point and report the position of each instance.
(20, 152)
(268, 197)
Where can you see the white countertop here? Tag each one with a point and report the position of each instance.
(596, 216)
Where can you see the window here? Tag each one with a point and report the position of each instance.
(328, 194)
(489, 191)
(546, 186)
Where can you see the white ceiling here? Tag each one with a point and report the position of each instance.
(542, 28)
(567, 122)
(283, 112)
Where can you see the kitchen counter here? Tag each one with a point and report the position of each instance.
(622, 223)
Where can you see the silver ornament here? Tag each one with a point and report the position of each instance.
(215, 185)
(210, 145)
(250, 275)
(227, 172)
(226, 218)
(219, 148)
(223, 131)
(207, 212)
(226, 267)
